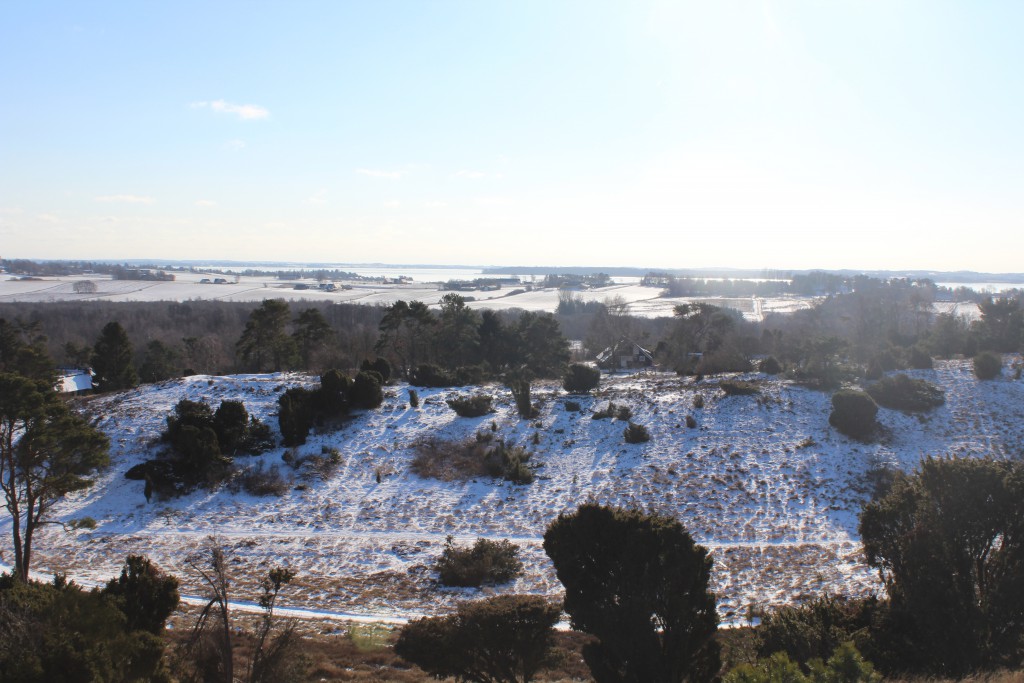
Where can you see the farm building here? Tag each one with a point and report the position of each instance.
(626, 355)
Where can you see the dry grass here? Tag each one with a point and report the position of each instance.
(449, 460)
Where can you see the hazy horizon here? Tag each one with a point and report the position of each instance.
(779, 135)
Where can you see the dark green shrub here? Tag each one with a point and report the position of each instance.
(431, 376)
(380, 365)
(636, 433)
(919, 358)
(503, 638)
(366, 391)
(618, 412)
(333, 397)
(145, 594)
(520, 389)
(230, 422)
(486, 562)
(816, 628)
(295, 415)
(770, 366)
(691, 422)
(471, 406)
(736, 387)
(581, 378)
(988, 365)
(853, 413)
(470, 375)
(258, 437)
(573, 406)
(414, 398)
(899, 392)
(509, 463)
(698, 401)
(720, 361)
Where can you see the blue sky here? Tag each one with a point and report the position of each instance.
(751, 134)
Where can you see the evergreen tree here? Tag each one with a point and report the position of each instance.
(312, 336)
(639, 584)
(265, 344)
(160, 363)
(46, 452)
(112, 359)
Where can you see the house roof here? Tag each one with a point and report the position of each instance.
(74, 381)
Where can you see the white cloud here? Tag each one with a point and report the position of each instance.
(472, 175)
(434, 205)
(393, 204)
(234, 145)
(247, 112)
(48, 218)
(374, 173)
(319, 198)
(124, 199)
(206, 202)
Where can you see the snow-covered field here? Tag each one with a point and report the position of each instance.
(762, 481)
(641, 301)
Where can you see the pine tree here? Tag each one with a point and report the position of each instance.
(112, 359)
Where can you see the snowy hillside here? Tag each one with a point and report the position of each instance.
(762, 480)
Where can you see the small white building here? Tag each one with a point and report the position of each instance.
(74, 380)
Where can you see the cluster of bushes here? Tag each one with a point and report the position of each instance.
(900, 392)
(483, 456)
(471, 406)
(300, 408)
(736, 387)
(613, 411)
(431, 376)
(485, 562)
(61, 633)
(202, 443)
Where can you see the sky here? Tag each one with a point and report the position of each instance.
(756, 134)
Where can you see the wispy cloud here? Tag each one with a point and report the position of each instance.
(47, 218)
(472, 175)
(375, 173)
(205, 202)
(248, 112)
(319, 198)
(434, 205)
(124, 199)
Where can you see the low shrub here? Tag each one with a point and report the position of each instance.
(814, 629)
(636, 433)
(736, 387)
(691, 422)
(623, 413)
(509, 463)
(486, 562)
(471, 406)
(899, 392)
(520, 389)
(261, 481)
(770, 366)
(853, 413)
(379, 365)
(573, 406)
(987, 365)
(698, 401)
(431, 376)
(295, 415)
(580, 378)
(414, 398)
(722, 361)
